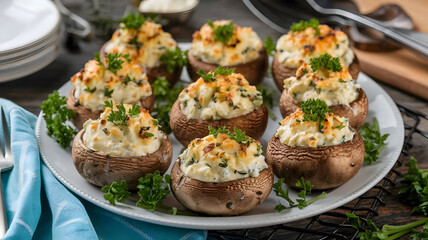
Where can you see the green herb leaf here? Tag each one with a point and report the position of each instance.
(414, 187)
(269, 46)
(237, 134)
(90, 90)
(148, 134)
(326, 61)
(315, 110)
(223, 163)
(210, 76)
(340, 127)
(116, 192)
(152, 190)
(222, 71)
(174, 58)
(56, 115)
(222, 33)
(115, 60)
(120, 117)
(107, 92)
(215, 132)
(165, 97)
(97, 57)
(132, 21)
(267, 95)
(374, 142)
(302, 25)
(301, 201)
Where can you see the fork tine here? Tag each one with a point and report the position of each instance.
(6, 136)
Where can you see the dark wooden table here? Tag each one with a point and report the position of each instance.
(30, 91)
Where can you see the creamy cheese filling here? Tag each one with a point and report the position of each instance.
(140, 137)
(295, 132)
(335, 88)
(295, 48)
(220, 159)
(228, 96)
(145, 45)
(95, 84)
(242, 47)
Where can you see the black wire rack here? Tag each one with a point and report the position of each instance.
(333, 224)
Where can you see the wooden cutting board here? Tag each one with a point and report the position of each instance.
(401, 68)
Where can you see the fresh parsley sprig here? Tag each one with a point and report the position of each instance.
(152, 189)
(56, 115)
(133, 21)
(114, 61)
(302, 25)
(301, 201)
(210, 76)
(238, 135)
(269, 46)
(174, 58)
(267, 95)
(315, 111)
(121, 116)
(414, 187)
(165, 97)
(222, 33)
(390, 232)
(326, 61)
(374, 142)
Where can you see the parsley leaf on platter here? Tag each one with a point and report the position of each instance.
(267, 95)
(269, 46)
(174, 58)
(414, 187)
(374, 142)
(56, 114)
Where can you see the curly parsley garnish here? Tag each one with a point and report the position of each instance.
(374, 142)
(114, 61)
(56, 114)
(238, 135)
(165, 97)
(326, 61)
(152, 190)
(414, 187)
(120, 117)
(302, 25)
(269, 46)
(107, 92)
(222, 33)
(132, 21)
(315, 110)
(267, 95)
(210, 76)
(174, 58)
(301, 201)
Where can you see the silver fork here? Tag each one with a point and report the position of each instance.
(6, 164)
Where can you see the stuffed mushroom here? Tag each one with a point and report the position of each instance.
(328, 79)
(115, 79)
(219, 98)
(306, 40)
(315, 144)
(149, 46)
(223, 43)
(223, 173)
(125, 143)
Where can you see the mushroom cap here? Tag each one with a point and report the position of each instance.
(287, 106)
(83, 114)
(221, 198)
(281, 72)
(253, 124)
(325, 167)
(102, 169)
(153, 72)
(254, 71)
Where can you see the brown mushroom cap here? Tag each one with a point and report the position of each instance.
(83, 114)
(287, 106)
(325, 167)
(253, 124)
(101, 169)
(281, 72)
(254, 71)
(221, 198)
(154, 72)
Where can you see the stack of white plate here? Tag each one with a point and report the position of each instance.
(29, 39)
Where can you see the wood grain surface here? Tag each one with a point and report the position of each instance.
(400, 68)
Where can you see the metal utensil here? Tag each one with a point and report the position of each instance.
(6, 164)
(402, 39)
